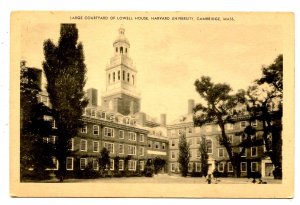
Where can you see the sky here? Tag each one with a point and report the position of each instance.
(169, 57)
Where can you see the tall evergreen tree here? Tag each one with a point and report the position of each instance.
(65, 73)
(184, 155)
(204, 156)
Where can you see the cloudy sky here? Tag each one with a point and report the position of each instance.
(169, 56)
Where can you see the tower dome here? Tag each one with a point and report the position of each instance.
(121, 38)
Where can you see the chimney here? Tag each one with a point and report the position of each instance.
(163, 120)
(92, 95)
(191, 105)
(142, 118)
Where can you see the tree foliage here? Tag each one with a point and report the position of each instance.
(220, 108)
(35, 155)
(65, 73)
(184, 155)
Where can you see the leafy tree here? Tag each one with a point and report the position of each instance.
(184, 155)
(159, 164)
(204, 156)
(65, 73)
(34, 153)
(220, 109)
(104, 160)
(264, 102)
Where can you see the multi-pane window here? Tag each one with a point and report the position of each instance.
(121, 149)
(209, 146)
(229, 167)
(221, 166)
(253, 151)
(121, 164)
(69, 163)
(141, 137)
(96, 129)
(198, 167)
(132, 136)
(108, 132)
(163, 146)
(198, 154)
(83, 162)
(141, 151)
(221, 152)
(156, 145)
(254, 166)
(71, 144)
(111, 164)
(150, 144)
(95, 164)
(83, 145)
(84, 129)
(244, 154)
(132, 165)
(121, 134)
(109, 146)
(131, 150)
(142, 165)
(95, 146)
(243, 124)
(243, 166)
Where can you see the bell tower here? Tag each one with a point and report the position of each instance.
(121, 93)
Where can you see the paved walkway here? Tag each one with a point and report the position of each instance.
(166, 179)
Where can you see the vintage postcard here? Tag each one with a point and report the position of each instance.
(152, 104)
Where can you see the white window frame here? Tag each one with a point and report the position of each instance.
(72, 144)
(245, 152)
(219, 152)
(96, 130)
(142, 138)
(84, 129)
(96, 142)
(143, 151)
(83, 149)
(105, 144)
(108, 130)
(121, 162)
(255, 151)
(229, 167)
(242, 166)
(85, 163)
(123, 148)
(97, 164)
(212, 151)
(132, 136)
(223, 167)
(142, 165)
(72, 163)
(133, 163)
(112, 164)
(121, 136)
(131, 150)
(252, 167)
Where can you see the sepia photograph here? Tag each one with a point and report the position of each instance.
(152, 104)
